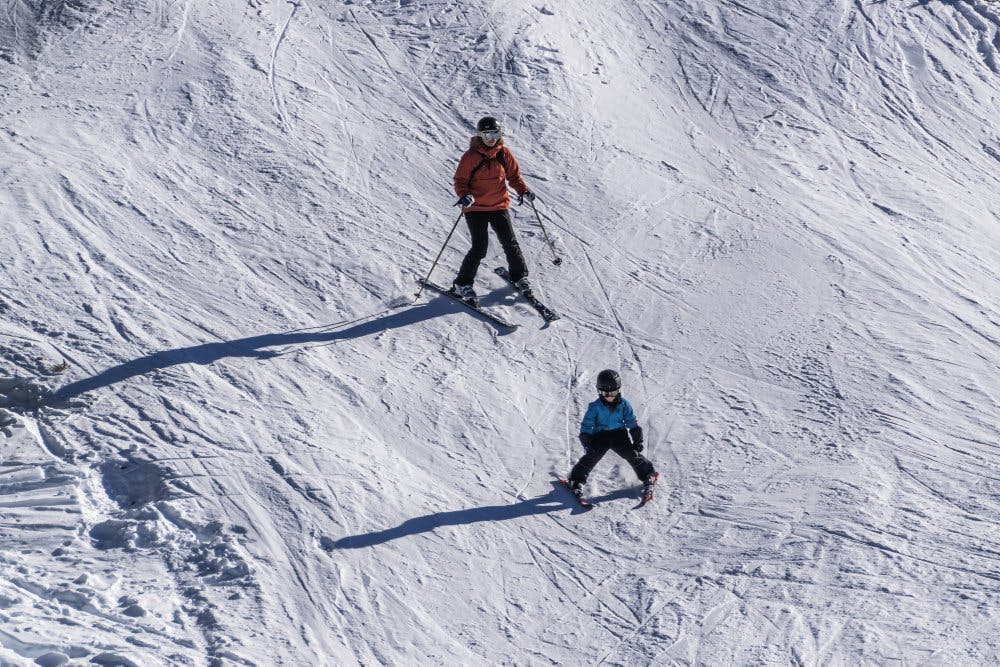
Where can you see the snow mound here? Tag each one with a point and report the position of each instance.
(53, 581)
(22, 392)
(31, 25)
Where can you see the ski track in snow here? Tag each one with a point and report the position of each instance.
(224, 440)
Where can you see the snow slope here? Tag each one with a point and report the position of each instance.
(229, 437)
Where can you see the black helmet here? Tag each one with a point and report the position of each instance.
(487, 124)
(609, 380)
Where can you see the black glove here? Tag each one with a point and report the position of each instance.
(527, 195)
(637, 439)
(586, 439)
(466, 201)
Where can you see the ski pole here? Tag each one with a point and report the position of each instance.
(440, 252)
(557, 260)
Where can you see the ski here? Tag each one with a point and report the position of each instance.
(583, 502)
(496, 319)
(647, 490)
(547, 313)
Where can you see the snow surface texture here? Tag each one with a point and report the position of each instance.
(225, 440)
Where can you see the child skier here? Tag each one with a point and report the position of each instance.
(608, 424)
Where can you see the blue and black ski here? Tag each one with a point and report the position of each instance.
(547, 313)
(496, 319)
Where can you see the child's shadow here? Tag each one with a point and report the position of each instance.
(556, 499)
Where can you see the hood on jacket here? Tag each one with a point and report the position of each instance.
(616, 401)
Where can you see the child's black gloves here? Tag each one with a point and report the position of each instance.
(637, 440)
(586, 439)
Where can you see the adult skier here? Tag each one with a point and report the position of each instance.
(610, 424)
(481, 185)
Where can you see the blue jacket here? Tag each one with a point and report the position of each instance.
(603, 417)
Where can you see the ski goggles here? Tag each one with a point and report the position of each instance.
(490, 135)
(608, 392)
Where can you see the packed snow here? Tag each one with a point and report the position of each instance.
(230, 435)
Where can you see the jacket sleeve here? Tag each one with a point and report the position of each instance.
(630, 421)
(463, 173)
(589, 423)
(513, 172)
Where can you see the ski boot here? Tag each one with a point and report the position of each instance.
(647, 487)
(465, 293)
(524, 287)
(576, 488)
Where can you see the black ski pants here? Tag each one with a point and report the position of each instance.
(619, 442)
(479, 223)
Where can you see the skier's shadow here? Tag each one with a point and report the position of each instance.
(256, 347)
(556, 499)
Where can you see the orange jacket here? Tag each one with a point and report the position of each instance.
(487, 183)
